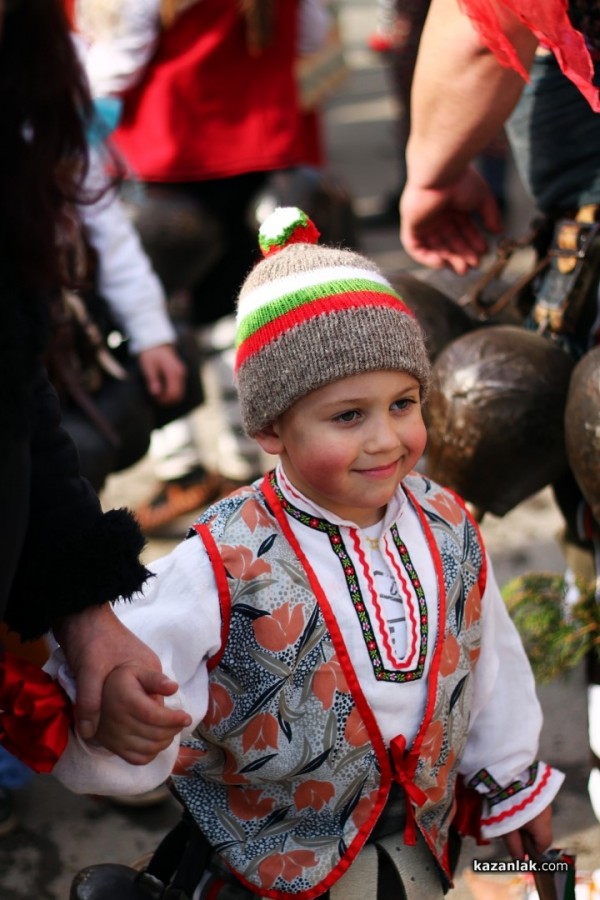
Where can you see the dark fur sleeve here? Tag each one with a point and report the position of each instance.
(94, 565)
(74, 555)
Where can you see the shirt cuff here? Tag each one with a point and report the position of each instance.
(509, 808)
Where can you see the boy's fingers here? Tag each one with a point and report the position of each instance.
(154, 682)
(150, 710)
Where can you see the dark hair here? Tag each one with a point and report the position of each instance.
(45, 107)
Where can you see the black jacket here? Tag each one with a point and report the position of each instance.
(60, 553)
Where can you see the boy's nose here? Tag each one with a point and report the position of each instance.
(383, 436)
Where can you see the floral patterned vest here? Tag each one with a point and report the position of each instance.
(288, 772)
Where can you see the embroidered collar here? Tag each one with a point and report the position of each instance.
(394, 510)
(332, 530)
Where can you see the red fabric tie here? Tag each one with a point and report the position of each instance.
(35, 714)
(467, 818)
(404, 765)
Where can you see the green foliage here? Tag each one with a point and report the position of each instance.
(556, 635)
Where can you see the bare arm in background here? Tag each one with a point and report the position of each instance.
(461, 98)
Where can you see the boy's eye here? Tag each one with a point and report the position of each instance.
(348, 416)
(403, 403)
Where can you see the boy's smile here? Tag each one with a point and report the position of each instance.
(347, 445)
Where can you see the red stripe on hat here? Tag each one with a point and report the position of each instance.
(272, 330)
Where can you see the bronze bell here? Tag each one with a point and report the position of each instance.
(440, 317)
(582, 428)
(495, 416)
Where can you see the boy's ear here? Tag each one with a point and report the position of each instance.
(269, 440)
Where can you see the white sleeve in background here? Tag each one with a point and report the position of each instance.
(506, 721)
(178, 616)
(314, 24)
(122, 38)
(126, 278)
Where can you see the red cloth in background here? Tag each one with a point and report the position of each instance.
(549, 21)
(206, 108)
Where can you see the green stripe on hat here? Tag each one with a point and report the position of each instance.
(270, 311)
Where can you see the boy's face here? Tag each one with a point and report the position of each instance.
(348, 445)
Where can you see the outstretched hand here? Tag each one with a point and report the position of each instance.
(438, 226)
(96, 643)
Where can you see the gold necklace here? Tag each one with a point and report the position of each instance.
(372, 542)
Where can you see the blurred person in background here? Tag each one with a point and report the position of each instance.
(481, 64)
(64, 559)
(209, 109)
(397, 38)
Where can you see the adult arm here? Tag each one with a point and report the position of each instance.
(461, 97)
(75, 558)
(74, 555)
(96, 645)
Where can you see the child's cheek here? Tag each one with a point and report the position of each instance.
(328, 465)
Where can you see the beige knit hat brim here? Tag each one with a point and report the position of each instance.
(325, 349)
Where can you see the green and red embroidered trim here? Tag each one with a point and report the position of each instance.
(338, 547)
(496, 792)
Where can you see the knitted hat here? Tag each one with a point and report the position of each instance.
(308, 315)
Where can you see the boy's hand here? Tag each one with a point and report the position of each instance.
(539, 831)
(135, 724)
(95, 643)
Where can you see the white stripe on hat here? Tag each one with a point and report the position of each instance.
(273, 290)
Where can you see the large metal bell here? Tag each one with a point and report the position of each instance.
(495, 416)
(440, 317)
(582, 428)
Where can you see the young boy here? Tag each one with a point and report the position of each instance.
(336, 630)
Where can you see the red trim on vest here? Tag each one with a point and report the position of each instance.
(218, 567)
(338, 303)
(467, 818)
(435, 662)
(357, 695)
(441, 626)
(411, 758)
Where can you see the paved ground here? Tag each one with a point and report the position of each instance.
(60, 833)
